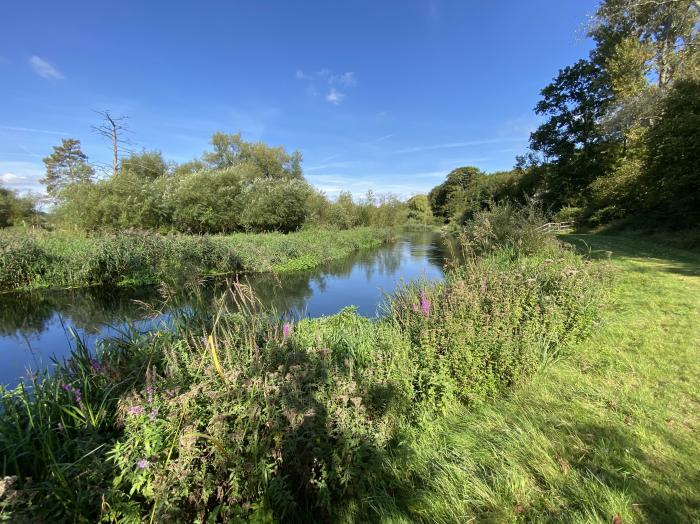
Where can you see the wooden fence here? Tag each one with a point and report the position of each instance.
(557, 227)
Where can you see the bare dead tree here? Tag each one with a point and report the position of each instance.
(113, 128)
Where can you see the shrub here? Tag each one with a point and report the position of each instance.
(507, 227)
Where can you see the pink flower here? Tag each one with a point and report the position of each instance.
(424, 304)
(135, 410)
(143, 464)
(286, 330)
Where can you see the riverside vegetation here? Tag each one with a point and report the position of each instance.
(31, 260)
(242, 416)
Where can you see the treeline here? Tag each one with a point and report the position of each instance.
(621, 135)
(235, 186)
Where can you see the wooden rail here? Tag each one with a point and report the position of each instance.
(557, 227)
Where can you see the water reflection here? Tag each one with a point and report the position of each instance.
(36, 326)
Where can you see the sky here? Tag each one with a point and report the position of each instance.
(388, 95)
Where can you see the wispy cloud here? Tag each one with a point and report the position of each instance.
(451, 145)
(412, 183)
(32, 130)
(334, 96)
(332, 80)
(44, 69)
(344, 79)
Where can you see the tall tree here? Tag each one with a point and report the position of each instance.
(667, 28)
(66, 165)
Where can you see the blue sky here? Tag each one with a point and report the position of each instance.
(388, 95)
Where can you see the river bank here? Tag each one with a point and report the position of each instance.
(42, 259)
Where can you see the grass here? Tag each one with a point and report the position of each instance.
(33, 260)
(609, 434)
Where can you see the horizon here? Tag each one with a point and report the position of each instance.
(426, 89)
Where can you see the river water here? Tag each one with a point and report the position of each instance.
(40, 327)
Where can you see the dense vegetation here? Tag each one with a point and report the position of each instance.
(244, 416)
(39, 259)
(237, 186)
(16, 209)
(621, 131)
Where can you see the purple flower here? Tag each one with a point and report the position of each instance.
(154, 413)
(135, 410)
(143, 464)
(69, 388)
(149, 394)
(286, 330)
(424, 304)
(96, 366)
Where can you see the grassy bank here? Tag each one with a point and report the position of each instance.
(33, 260)
(242, 417)
(611, 431)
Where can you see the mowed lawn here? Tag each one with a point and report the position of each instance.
(610, 433)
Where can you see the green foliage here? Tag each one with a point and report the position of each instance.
(68, 259)
(620, 133)
(672, 175)
(15, 209)
(275, 205)
(448, 199)
(239, 186)
(66, 165)
(147, 164)
(247, 418)
(419, 210)
(513, 230)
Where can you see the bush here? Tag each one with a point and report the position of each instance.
(507, 227)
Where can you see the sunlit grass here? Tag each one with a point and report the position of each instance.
(610, 431)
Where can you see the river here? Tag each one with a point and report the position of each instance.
(39, 327)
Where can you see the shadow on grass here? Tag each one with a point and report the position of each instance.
(669, 497)
(659, 258)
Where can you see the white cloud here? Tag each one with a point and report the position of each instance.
(302, 76)
(21, 176)
(326, 76)
(44, 69)
(10, 178)
(334, 96)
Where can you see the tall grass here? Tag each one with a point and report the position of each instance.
(30, 260)
(243, 416)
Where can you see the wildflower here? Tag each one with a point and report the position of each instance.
(154, 414)
(143, 464)
(286, 330)
(424, 304)
(135, 410)
(69, 388)
(96, 366)
(149, 394)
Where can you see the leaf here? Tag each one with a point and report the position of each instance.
(215, 357)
